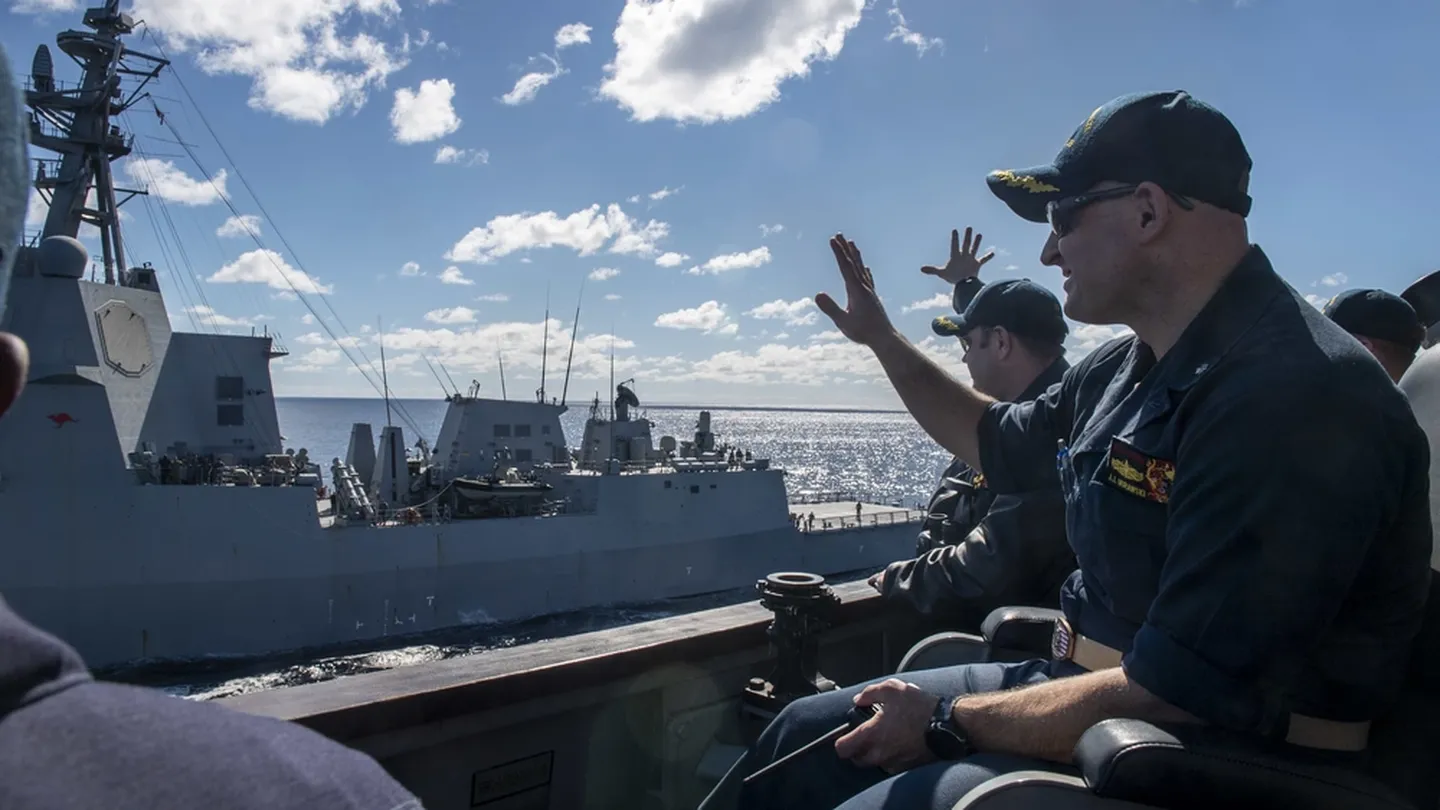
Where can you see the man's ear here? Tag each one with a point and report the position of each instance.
(14, 368)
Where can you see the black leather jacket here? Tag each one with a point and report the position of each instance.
(978, 550)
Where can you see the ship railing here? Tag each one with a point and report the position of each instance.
(831, 496)
(864, 521)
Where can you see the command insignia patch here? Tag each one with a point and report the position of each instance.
(1138, 474)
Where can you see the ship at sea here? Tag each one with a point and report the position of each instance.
(154, 514)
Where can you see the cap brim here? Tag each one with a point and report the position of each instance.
(947, 326)
(1027, 191)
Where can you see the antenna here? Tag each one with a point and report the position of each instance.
(612, 371)
(448, 377)
(384, 375)
(501, 356)
(574, 329)
(437, 376)
(545, 345)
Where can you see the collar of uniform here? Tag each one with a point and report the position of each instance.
(1052, 374)
(1233, 309)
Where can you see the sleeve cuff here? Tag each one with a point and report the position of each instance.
(1188, 682)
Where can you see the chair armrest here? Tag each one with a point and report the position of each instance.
(1202, 766)
(1026, 629)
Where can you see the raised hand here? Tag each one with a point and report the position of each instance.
(863, 320)
(963, 263)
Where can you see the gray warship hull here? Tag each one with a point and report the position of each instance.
(250, 571)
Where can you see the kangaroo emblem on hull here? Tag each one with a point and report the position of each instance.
(61, 418)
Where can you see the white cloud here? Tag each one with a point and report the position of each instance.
(800, 312)
(44, 6)
(307, 319)
(585, 231)
(1334, 279)
(671, 259)
(493, 297)
(936, 301)
(903, 33)
(316, 360)
(269, 268)
(603, 273)
(462, 157)
(767, 230)
(210, 317)
(426, 114)
(708, 317)
(828, 335)
(611, 297)
(312, 339)
(1317, 301)
(453, 275)
(572, 34)
(732, 261)
(162, 179)
(243, 225)
(656, 196)
(300, 65)
(718, 60)
(451, 315)
(410, 269)
(528, 86)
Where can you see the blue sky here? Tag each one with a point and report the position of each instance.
(439, 165)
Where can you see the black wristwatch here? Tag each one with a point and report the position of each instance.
(943, 737)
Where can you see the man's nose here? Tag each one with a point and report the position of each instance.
(1050, 253)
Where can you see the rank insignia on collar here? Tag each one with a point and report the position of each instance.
(978, 481)
(1136, 473)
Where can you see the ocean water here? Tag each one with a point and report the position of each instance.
(879, 457)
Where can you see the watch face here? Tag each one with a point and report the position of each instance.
(942, 737)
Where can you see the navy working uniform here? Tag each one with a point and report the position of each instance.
(979, 549)
(69, 741)
(1225, 560)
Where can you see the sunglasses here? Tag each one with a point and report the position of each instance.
(1061, 213)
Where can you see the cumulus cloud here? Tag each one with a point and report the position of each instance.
(461, 157)
(210, 317)
(1334, 279)
(603, 273)
(162, 179)
(426, 114)
(718, 60)
(585, 231)
(800, 312)
(572, 34)
(732, 261)
(936, 301)
(709, 317)
(671, 259)
(306, 60)
(269, 268)
(451, 315)
(243, 225)
(453, 275)
(767, 230)
(612, 297)
(410, 269)
(903, 33)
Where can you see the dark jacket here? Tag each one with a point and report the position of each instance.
(69, 742)
(978, 550)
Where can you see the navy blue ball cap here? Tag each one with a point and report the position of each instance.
(1169, 138)
(1377, 314)
(1021, 306)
